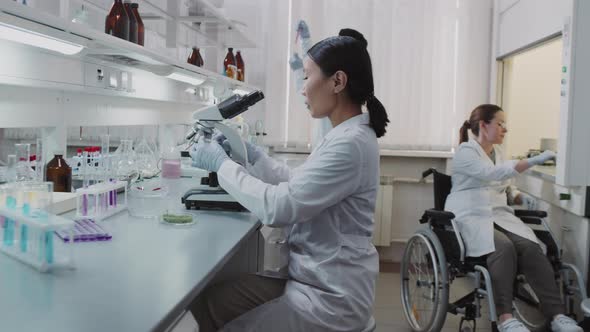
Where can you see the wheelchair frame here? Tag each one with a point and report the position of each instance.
(442, 229)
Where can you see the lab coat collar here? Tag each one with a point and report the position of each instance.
(358, 120)
(478, 146)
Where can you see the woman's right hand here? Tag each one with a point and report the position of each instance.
(542, 158)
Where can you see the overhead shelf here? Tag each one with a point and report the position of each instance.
(107, 48)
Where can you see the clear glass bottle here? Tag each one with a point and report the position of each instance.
(60, 174)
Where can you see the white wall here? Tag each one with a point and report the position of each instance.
(523, 22)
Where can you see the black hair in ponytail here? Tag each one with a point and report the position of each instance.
(348, 52)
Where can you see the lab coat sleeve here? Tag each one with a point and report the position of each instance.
(270, 171)
(469, 162)
(319, 184)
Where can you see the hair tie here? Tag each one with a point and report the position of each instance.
(371, 96)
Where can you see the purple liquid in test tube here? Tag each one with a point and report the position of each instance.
(84, 205)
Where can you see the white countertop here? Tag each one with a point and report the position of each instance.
(141, 280)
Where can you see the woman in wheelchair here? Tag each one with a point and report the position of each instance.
(480, 198)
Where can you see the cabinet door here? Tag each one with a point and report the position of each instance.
(571, 233)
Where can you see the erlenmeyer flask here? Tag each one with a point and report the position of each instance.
(124, 158)
(147, 163)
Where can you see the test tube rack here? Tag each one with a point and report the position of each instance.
(29, 238)
(100, 201)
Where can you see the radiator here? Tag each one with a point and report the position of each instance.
(383, 211)
(384, 214)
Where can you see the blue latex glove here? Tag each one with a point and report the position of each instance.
(542, 158)
(254, 152)
(222, 140)
(303, 29)
(208, 156)
(295, 62)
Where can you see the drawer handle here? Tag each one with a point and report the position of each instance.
(283, 241)
(566, 229)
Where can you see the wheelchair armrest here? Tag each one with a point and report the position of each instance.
(531, 220)
(530, 213)
(436, 215)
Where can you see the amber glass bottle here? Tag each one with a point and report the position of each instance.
(240, 64)
(60, 174)
(200, 61)
(117, 21)
(140, 27)
(229, 60)
(192, 59)
(132, 21)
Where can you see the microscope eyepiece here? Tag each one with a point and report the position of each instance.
(236, 104)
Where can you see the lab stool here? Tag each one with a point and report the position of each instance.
(371, 326)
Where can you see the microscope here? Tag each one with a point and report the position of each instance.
(209, 195)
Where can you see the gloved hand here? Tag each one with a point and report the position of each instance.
(528, 201)
(222, 140)
(303, 29)
(542, 158)
(254, 151)
(295, 62)
(208, 156)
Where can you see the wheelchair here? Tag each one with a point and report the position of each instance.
(435, 256)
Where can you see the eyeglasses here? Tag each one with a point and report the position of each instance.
(502, 125)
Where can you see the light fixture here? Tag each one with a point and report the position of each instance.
(20, 35)
(241, 92)
(191, 91)
(186, 78)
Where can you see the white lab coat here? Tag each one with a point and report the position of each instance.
(480, 196)
(328, 203)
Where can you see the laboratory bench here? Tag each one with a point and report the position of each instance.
(140, 280)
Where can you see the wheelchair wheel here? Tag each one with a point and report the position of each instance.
(526, 308)
(424, 282)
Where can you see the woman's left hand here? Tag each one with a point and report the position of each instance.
(208, 156)
(527, 201)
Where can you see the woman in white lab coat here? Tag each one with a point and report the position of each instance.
(328, 203)
(479, 199)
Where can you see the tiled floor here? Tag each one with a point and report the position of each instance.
(389, 314)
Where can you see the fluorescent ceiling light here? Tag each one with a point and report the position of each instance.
(186, 78)
(19, 35)
(241, 92)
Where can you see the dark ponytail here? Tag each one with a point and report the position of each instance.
(464, 132)
(378, 115)
(348, 52)
(485, 113)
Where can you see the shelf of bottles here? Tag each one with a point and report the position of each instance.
(107, 47)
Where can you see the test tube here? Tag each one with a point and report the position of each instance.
(24, 231)
(40, 167)
(9, 224)
(104, 156)
(23, 155)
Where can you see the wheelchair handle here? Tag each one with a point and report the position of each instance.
(427, 172)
